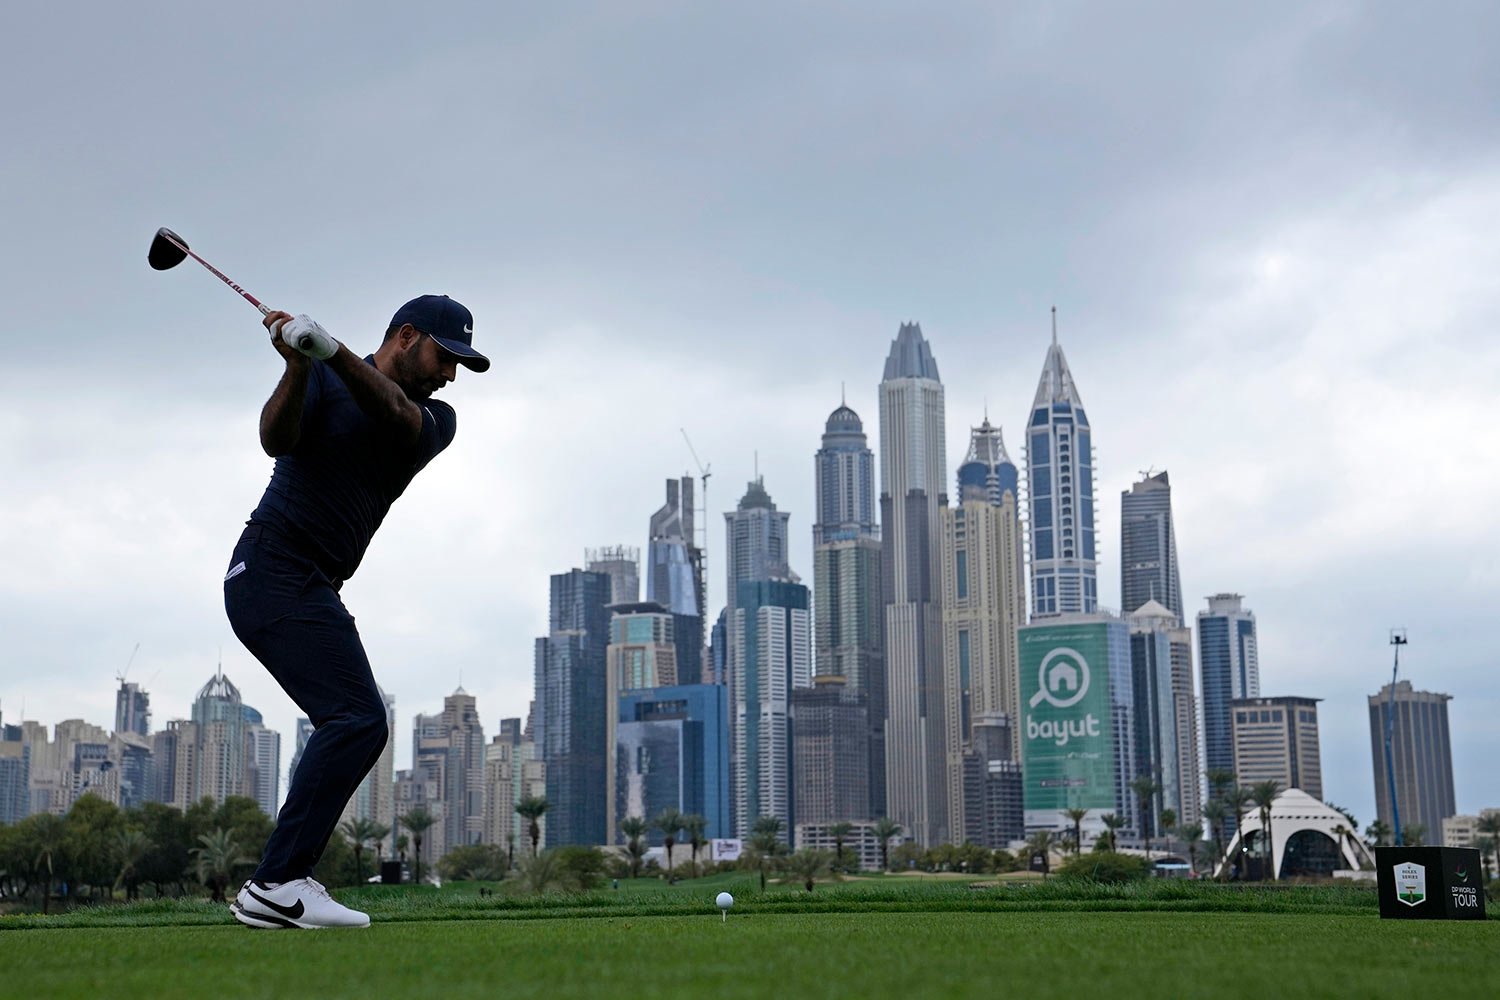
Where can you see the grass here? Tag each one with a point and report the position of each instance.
(956, 953)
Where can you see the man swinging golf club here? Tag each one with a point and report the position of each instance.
(348, 434)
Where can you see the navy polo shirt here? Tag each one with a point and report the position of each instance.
(329, 493)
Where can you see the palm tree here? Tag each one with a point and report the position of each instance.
(765, 838)
(1041, 843)
(1239, 797)
(1264, 795)
(668, 821)
(1412, 836)
(217, 858)
(1077, 816)
(1192, 834)
(1112, 822)
(634, 828)
(377, 835)
(885, 829)
(1489, 824)
(1377, 833)
(360, 832)
(48, 835)
(132, 845)
(418, 821)
(693, 825)
(838, 831)
(1145, 788)
(1214, 815)
(532, 808)
(1220, 783)
(1168, 820)
(1484, 845)
(807, 864)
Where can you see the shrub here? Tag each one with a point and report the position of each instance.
(1107, 867)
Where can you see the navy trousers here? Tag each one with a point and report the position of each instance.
(288, 614)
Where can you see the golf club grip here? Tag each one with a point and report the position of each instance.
(305, 342)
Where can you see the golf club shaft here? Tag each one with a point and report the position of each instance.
(219, 274)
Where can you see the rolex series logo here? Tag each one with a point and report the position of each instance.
(1411, 884)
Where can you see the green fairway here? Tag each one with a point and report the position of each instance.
(956, 954)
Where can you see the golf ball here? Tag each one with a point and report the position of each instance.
(725, 900)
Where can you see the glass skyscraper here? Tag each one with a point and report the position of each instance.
(1148, 547)
(1423, 755)
(846, 581)
(913, 478)
(1231, 669)
(1060, 480)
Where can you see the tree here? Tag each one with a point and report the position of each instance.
(131, 846)
(168, 857)
(1112, 822)
(765, 838)
(1489, 825)
(1106, 866)
(807, 864)
(216, 858)
(838, 831)
(1214, 814)
(668, 821)
(1192, 834)
(1220, 783)
(885, 829)
(582, 867)
(45, 840)
(1168, 820)
(418, 821)
(1145, 788)
(473, 863)
(1413, 836)
(360, 832)
(1041, 842)
(1077, 817)
(1263, 794)
(693, 825)
(634, 828)
(532, 808)
(1378, 833)
(93, 828)
(378, 833)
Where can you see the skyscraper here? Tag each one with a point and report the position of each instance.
(132, 710)
(1148, 547)
(374, 799)
(448, 751)
(771, 647)
(1154, 703)
(570, 706)
(673, 753)
(675, 575)
(846, 581)
(642, 654)
(623, 564)
(830, 752)
(1276, 739)
(1231, 669)
(262, 765)
(1060, 480)
(984, 602)
(219, 715)
(913, 476)
(1423, 757)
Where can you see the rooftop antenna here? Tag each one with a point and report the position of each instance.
(843, 395)
(1054, 326)
(1398, 639)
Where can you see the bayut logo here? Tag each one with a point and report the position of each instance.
(1062, 682)
(1411, 884)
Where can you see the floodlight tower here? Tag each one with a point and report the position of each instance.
(1398, 639)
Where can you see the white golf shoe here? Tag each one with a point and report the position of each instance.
(300, 903)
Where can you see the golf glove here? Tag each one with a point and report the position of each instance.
(302, 333)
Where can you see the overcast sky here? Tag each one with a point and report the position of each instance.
(1270, 234)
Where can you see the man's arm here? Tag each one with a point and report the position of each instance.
(381, 399)
(281, 417)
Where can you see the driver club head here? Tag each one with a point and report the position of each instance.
(164, 252)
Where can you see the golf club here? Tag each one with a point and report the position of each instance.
(168, 250)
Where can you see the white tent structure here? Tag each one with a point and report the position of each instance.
(1308, 838)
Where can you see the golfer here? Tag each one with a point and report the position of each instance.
(348, 434)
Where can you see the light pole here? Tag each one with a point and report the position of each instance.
(1398, 639)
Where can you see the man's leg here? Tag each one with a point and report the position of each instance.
(292, 620)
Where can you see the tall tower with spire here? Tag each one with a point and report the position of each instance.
(846, 581)
(1060, 485)
(913, 476)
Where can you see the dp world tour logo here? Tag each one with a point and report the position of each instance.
(1411, 884)
(1063, 679)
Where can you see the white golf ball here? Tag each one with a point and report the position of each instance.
(725, 900)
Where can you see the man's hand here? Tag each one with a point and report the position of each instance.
(303, 333)
(274, 321)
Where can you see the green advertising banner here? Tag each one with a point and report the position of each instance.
(1066, 738)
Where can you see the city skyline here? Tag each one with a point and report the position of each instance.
(1275, 282)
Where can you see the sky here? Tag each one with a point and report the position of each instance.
(1268, 232)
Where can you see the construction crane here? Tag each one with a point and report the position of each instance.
(701, 515)
(122, 674)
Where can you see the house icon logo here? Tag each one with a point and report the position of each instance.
(1063, 679)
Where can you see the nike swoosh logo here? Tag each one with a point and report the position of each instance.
(469, 330)
(286, 911)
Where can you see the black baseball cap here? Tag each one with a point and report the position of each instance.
(447, 322)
